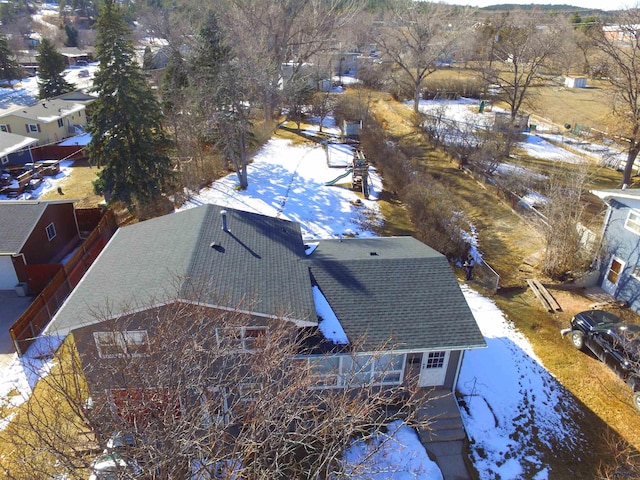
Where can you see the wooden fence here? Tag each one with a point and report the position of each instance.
(33, 321)
(57, 152)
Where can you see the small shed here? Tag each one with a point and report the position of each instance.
(575, 82)
(351, 128)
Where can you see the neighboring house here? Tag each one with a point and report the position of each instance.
(75, 56)
(620, 245)
(15, 149)
(77, 96)
(34, 233)
(394, 294)
(48, 121)
(622, 34)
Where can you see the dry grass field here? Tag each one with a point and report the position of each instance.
(510, 245)
(78, 186)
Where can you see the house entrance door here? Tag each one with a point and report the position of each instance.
(610, 282)
(433, 368)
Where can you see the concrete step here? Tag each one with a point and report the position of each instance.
(442, 435)
(445, 423)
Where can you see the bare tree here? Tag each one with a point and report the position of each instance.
(565, 250)
(272, 33)
(622, 49)
(523, 43)
(322, 105)
(416, 36)
(184, 389)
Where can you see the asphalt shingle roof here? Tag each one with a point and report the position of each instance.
(10, 142)
(394, 290)
(17, 221)
(46, 111)
(258, 266)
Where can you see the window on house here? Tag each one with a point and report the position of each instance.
(215, 407)
(326, 370)
(435, 360)
(247, 392)
(346, 370)
(633, 221)
(33, 128)
(4, 160)
(60, 123)
(244, 338)
(51, 231)
(119, 344)
(5, 128)
(636, 271)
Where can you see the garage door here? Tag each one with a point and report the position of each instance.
(8, 277)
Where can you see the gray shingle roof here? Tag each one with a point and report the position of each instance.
(17, 221)
(258, 266)
(10, 142)
(46, 111)
(394, 288)
(628, 193)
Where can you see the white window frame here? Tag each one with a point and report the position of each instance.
(51, 231)
(435, 359)
(632, 223)
(122, 342)
(635, 272)
(33, 127)
(244, 342)
(5, 128)
(347, 376)
(4, 160)
(211, 419)
(247, 391)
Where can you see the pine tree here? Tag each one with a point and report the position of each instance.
(9, 68)
(127, 137)
(221, 91)
(51, 64)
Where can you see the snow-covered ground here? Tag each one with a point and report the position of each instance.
(506, 391)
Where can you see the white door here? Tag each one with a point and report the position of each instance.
(433, 368)
(8, 279)
(610, 282)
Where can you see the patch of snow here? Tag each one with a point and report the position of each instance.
(329, 324)
(396, 455)
(505, 391)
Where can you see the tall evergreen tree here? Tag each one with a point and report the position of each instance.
(9, 67)
(72, 35)
(51, 64)
(127, 137)
(220, 88)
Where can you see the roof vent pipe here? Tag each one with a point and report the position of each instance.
(223, 213)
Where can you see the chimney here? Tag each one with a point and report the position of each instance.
(223, 213)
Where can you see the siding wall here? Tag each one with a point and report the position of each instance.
(624, 244)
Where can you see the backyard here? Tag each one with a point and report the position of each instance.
(512, 246)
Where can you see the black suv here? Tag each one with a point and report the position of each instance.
(611, 340)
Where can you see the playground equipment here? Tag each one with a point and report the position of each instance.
(335, 180)
(359, 171)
